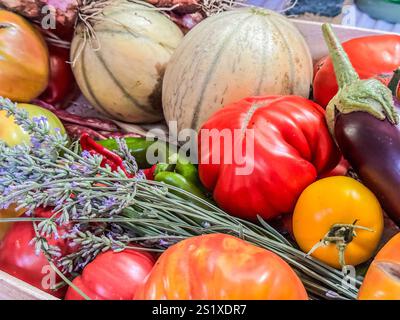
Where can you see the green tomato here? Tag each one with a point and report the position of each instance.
(12, 134)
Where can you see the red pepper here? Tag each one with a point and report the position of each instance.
(371, 56)
(62, 86)
(149, 173)
(109, 158)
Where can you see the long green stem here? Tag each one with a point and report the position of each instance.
(345, 73)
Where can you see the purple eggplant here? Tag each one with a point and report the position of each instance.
(363, 121)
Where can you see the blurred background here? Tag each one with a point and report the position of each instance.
(373, 14)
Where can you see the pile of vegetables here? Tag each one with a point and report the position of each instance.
(296, 199)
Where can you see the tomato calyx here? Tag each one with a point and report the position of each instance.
(340, 234)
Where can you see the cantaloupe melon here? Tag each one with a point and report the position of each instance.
(229, 56)
(120, 69)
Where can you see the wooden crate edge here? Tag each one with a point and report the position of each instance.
(12, 288)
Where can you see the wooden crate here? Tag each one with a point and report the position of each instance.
(15, 289)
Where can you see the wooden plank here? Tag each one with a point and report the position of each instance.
(12, 288)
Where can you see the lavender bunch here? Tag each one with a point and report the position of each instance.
(48, 173)
(116, 212)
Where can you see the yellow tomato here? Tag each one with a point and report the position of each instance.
(10, 212)
(13, 134)
(345, 214)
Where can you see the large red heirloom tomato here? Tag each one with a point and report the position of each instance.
(219, 266)
(272, 148)
(113, 276)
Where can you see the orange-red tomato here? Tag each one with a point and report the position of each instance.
(382, 281)
(219, 266)
(24, 59)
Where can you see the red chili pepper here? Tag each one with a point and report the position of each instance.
(149, 173)
(109, 158)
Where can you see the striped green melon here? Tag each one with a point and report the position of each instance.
(120, 71)
(230, 56)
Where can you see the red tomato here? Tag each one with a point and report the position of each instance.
(18, 257)
(371, 57)
(113, 276)
(291, 146)
(220, 266)
(62, 82)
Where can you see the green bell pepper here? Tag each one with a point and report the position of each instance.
(183, 175)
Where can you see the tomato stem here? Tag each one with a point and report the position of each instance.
(340, 234)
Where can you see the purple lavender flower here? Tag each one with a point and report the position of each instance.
(59, 202)
(163, 243)
(36, 120)
(74, 184)
(108, 203)
(140, 175)
(36, 143)
(39, 120)
(81, 199)
(76, 228)
(7, 191)
(85, 154)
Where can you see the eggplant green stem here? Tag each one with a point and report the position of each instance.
(345, 73)
(354, 94)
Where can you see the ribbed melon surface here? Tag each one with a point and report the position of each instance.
(120, 71)
(230, 56)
